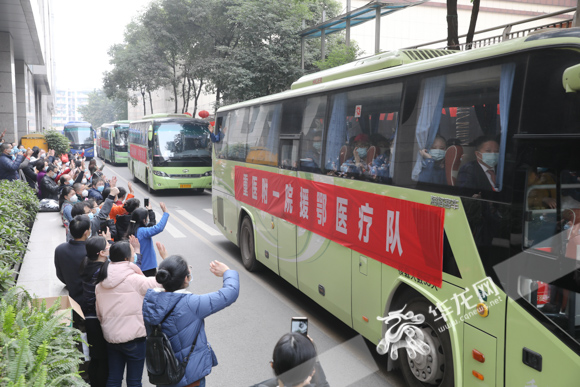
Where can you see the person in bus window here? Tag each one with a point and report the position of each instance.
(311, 160)
(379, 167)
(433, 163)
(480, 174)
(216, 137)
(357, 164)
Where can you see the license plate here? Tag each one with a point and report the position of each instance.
(184, 185)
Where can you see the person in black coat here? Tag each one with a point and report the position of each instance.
(48, 186)
(479, 175)
(294, 362)
(68, 257)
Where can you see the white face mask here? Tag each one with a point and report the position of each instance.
(84, 180)
(490, 159)
(73, 199)
(437, 154)
(85, 193)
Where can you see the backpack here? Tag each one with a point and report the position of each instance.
(162, 366)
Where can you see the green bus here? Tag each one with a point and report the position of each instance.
(112, 140)
(170, 151)
(431, 203)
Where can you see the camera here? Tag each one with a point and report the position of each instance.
(300, 325)
(146, 202)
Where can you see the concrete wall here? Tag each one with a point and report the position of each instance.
(8, 108)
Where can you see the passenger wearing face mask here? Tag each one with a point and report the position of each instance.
(433, 163)
(480, 174)
(356, 165)
(49, 188)
(310, 156)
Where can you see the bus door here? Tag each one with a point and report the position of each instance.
(287, 232)
(542, 276)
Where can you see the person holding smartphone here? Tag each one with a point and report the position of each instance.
(294, 362)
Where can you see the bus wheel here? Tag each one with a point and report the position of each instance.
(436, 368)
(200, 190)
(247, 245)
(149, 189)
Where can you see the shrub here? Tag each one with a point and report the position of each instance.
(36, 349)
(59, 142)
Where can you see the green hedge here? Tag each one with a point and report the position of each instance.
(36, 349)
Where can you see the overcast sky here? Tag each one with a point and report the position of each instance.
(83, 32)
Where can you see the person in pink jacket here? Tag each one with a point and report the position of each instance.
(121, 287)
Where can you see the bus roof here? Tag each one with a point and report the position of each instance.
(122, 122)
(171, 117)
(165, 115)
(549, 38)
(369, 64)
(78, 123)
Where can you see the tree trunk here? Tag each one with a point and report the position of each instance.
(184, 107)
(196, 95)
(174, 83)
(217, 99)
(188, 93)
(150, 101)
(472, 23)
(452, 26)
(144, 102)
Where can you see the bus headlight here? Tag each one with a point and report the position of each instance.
(207, 173)
(160, 173)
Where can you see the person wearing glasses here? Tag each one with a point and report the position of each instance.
(186, 311)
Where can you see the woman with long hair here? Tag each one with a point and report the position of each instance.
(138, 227)
(97, 254)
(121, 287)
(66, 200)
(185, 313)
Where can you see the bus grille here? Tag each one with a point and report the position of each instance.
(185, 176)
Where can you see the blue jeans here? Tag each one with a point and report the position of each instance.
(131, 353)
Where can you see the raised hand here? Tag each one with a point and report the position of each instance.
(135, 243)
(163, 208)
(162, 250)
(218, 268)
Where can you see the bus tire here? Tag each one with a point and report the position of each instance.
(247, 246)
(149, 189)
(200, 190)
(436, 370)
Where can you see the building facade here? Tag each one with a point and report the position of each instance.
(66, 107)
(26, 67)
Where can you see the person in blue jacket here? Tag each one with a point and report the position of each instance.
(433, 163)
(9, 166)
(138, 227)
(186, 312)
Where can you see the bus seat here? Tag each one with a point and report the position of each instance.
(345, 154)
(371, 154)
(453, 157)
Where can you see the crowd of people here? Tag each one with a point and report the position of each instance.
(109, 266)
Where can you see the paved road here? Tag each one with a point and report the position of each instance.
(243, 335)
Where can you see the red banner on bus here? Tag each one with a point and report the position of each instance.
(105, 144)
(402, 234)
(138, 153)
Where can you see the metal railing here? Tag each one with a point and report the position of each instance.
(506, 33)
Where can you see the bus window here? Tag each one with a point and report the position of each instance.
(236, 136)
(540, 221)
(311, 140)
(181, 140)
(289, 154)
(263, 133)
(465, 115)
(360, 132)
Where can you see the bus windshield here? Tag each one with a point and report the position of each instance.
(121, 135)
(79, 135)
(176, 140)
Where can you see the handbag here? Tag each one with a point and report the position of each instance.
(162, 366)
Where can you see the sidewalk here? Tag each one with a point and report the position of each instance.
(37, 273)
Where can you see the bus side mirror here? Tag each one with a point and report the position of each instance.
(150, 133)
(571, 79)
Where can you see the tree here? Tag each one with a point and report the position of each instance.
(452, 25)
(59, 142)
(472, 23)
(340, 54)
(101, 109)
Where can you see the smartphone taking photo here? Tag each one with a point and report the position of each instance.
(300, 325)
(146, 202)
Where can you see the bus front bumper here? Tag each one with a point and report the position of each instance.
(181, 183)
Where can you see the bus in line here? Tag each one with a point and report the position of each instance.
(432, 205)
(82, 138)
(170, 151)
(112, 140)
